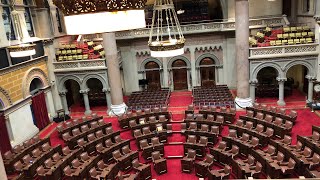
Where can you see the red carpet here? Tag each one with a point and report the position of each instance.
(295, 97)
(178, 99)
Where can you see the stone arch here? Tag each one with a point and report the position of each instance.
(207, 55)
(5, 98)
(94, 76)
(308, 65)
(146, 61)
(62, 87)
(29, 76)
(179, 57)
(267, 64)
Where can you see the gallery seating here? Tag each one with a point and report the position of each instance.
(159, 163)
(218, 95)
(148, 99)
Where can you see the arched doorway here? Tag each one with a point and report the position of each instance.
(180, 75)
(267, 83)
(73, 95)
(297, 81)
(153, 75)
(35, 85)
(207, 72)
(96, 96)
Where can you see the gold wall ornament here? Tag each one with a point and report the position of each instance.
(99, 16)
(166, 38)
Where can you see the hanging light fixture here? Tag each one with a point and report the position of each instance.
(168, 38)
(99, 16)
(23, 48)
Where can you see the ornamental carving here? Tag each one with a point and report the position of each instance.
(75, 7)
(29, 76)
(259, 52)
(5, 98)
(300, 49)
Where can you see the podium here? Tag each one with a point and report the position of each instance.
(61, 116)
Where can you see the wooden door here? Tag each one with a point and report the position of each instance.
(180, 78)
(207, 73)
(153, 75)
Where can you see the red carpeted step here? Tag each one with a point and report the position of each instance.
(173, 150)
(176, 138)
(176, 127)
(177, 117)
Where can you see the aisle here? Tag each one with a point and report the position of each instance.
(179, 101)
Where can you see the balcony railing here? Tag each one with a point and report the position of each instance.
(284, 51)
(80, 65)
(206, 27)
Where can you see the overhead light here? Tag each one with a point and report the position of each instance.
(180, 11)
(22, 50)
(166, 38)
(101, 16)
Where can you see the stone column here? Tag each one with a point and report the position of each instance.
(117, 107)
(253, 84)
(108, 97)
(3, 175)
(310, 88)
(281, 91)
(293, 10)
(242, 53)
(165, 73)
(193, 67)
(64, 101)
(86, 101)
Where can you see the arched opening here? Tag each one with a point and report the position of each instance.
(207, 72)
(180, 77)
(296, 83)
(192, 11)
(153, 75)
(96, 96)
(73, 95)
(267, 83)
(35, 85)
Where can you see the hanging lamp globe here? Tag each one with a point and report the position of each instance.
(166, 37)
(99, 16)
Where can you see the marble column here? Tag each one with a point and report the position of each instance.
(310, 88)
(193, 67)
(117, 107)
(64, 101)
(253, 84)
(281, 91)
(242, 53)
(108, 97)
(86, 101)
(3, 175)
(165, 73)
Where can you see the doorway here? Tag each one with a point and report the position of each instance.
(207, 72)
(180, 75)
(153, 75)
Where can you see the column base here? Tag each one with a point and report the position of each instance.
(281, 103)
(88, 112)
(117, 110)
(243, 103)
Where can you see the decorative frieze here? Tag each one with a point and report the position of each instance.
(80, 65)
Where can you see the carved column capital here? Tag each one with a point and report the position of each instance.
(311, 78)
(281, 79)
(253, 82)
(106, 90)
(63, 93)
(84, 91)
(317, 18)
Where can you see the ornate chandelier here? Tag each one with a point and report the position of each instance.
(99, 16)
(168, 38)
(23, 48)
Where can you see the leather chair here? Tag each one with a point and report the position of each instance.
(146, 130)
(36, 139)
(116, 155)
(189, 117)
(314, 161)
(293, 114)
(239, 123)
(48, 163)
(152, 119)
(215, 130)
(232, 134)
(36, 153)
(201, 146)
(223, 109)
(157, 146)
(204, 128)
(250, 113)
(146, 149)
(143, 169)
(8, 155)
(139, 112)
(288, 168)
(101, 122)
(193, 126)
(232, 111)
(75, 121)
(259, 128)
(315, 136)
(147, 111)
(296, 149)
(43, 173)
(85, 128)
(68, 124)
(286, 141)
(199, 117)
(91, 137)
(94, 124)
(56, 157)
(81, 143)
(213, 108)
(45, 147)
(249, 125)
(99, 134)
(156, 110)
(245, 138)
(137, 133)
(27, 143)
(183, 127)
(278, 159)
(204, 108)
(68, 172)
(203, 167)
(269, 132)
(18, 166)
(27, 160)
(94, 115)
(126, 150)
(220, 119)
(190, 107)
(254, 143)
(233, 152)
(270, 151)
(210, 117)
(164, 109)
(17, 149)
(282, 111)
(159, 163)
(268, 118)
(249, 161)
(192, 139)
(109, 130)
(256, 105)
(255, 173)
(132, 123)
(169, 128)
(66, 151)
(259, 116)
(84, 157)
(273, 109)
(94, 174)
(188, 161)
(76, 132)
(278, 121)
(60, 128)
(220, 174)
(129, 114)
(162, 118)
(117, 139)
(306, 153)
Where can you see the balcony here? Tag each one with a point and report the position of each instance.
(80, 65)
(284, 51)
(206, 27)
